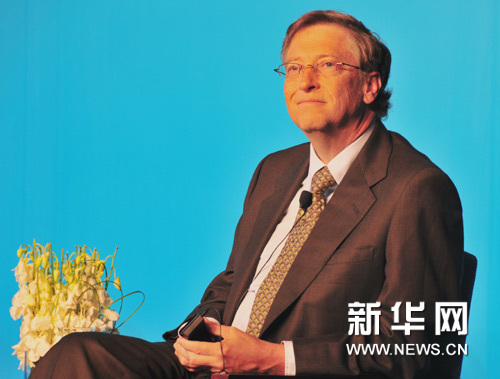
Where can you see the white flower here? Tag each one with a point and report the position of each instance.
(111, 315)
(41, 322)
(42, 347)
(23, 271)
(59, 296)
(98, 325)
(18, 304)
(104, 298)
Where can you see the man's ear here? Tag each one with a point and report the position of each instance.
(371, 87)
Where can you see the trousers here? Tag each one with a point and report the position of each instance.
(100, 356)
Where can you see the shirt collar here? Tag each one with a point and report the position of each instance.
(341, 163)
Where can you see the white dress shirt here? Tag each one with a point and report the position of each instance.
(338, 167)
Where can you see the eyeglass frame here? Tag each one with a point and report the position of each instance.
(313, 66)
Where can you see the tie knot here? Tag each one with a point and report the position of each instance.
(321, 180)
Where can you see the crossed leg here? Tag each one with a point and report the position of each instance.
(101, 355)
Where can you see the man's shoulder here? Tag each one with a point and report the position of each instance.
(406, 157)
(295, 156)
(390, 158)
(408, 167)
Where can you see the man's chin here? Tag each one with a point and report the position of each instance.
(314, 128)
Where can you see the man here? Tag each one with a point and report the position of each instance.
(381, 224)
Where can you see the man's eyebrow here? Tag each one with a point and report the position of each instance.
(318, 57)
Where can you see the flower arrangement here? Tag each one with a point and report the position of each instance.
(58, 296)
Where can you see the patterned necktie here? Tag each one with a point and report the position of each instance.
(321, 180)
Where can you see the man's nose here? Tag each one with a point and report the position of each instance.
(308, 79)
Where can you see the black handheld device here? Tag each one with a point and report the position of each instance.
(196, 330)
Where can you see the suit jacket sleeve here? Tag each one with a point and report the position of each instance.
(214, 298)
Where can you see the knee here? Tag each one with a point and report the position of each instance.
(65, 355)
(77, 339)
(74, 342)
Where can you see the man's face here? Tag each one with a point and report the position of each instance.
(316, 102)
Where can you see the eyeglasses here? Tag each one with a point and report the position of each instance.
(323, 67)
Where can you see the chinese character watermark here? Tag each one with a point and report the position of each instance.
(363, 317)
(409, 325)
(451, 317)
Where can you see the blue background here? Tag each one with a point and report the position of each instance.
(138, 124)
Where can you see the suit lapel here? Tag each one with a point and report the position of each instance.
(271, 210)
(349, 204)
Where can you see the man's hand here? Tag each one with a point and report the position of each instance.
(243, 353)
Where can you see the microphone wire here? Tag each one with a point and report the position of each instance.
(305, 202)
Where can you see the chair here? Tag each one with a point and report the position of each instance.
(468, 280)
(449, 366)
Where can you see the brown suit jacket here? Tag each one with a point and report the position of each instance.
(391, 232)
